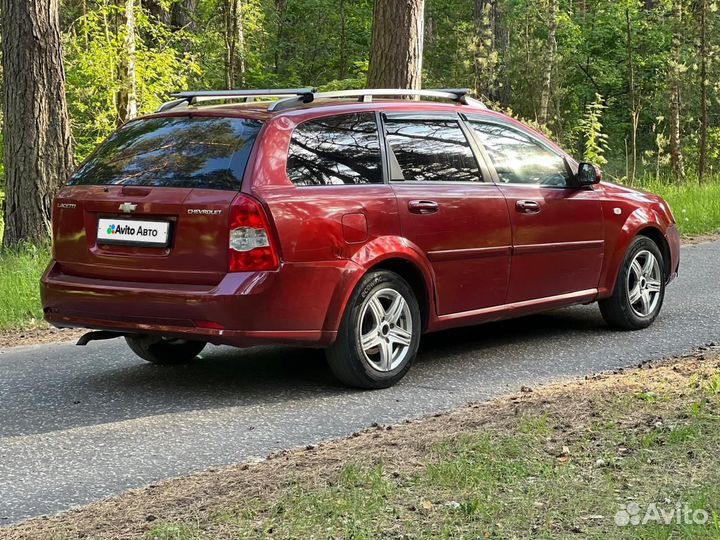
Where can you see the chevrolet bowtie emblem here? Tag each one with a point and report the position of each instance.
(127, 207)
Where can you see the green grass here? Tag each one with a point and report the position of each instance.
(20, 271)
(696, 206)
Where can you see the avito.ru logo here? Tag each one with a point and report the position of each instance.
(682, 514)
(131, 231)
(119, 229)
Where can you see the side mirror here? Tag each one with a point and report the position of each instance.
(588, 174)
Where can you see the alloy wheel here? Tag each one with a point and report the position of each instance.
(385, 328)
(644, 283)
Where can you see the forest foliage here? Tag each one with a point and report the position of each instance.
(610, 70)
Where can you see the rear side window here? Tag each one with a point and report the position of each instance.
(335, 150)
(195, 152)
(429, 150)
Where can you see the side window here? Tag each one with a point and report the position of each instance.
(429, 151)
(335, 150)
(518, 159)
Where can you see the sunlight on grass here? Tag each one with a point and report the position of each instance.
(696, 206)
(20, 271)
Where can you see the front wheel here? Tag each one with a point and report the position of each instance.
(163, 350)
(379, 334)
(640, 288)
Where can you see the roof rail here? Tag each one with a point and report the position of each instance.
(297, 95)
(459, 95)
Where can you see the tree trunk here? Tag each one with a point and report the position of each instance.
(126, 94)
(156, 10)
(343, 68)
(486, 54)
(181, 14)
(502, 46)
(676, 156)
(38, 146)
(550, 51)
(704, 82)
(634, 107)
(234, 44)
(280, 13)
(397, 44)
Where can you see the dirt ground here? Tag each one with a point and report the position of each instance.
(39, 335)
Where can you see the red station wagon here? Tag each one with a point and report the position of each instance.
(340, 221)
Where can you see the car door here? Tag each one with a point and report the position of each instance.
(558, 232)
(449, 208)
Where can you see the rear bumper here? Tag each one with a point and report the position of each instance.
(244, 309)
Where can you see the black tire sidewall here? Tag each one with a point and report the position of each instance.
(366, 376)
(641, 243)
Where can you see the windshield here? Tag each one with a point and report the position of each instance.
(197, 152)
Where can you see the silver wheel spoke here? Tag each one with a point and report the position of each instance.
(377, 310)
(370, 340)
(395, 310)
(653, 285)
(649, 265)
(636, 269)
(635, 294)
(400, 336)
(385, 355)
(645, 300)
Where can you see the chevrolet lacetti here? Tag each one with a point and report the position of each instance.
(340, 221)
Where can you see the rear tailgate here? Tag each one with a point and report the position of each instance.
(197, 229)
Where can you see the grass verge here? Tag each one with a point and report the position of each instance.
(559, 462)
(20, 271)
(696, 206)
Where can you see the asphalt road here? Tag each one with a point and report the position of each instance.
(81, 424)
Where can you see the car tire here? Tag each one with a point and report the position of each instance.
(639, 289)
(379, 333)
(164, 351)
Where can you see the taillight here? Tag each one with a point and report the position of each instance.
(250, 246)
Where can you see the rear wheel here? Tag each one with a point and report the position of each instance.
(379, 334)
(640, 288)
(165, 351)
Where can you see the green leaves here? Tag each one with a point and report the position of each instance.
(93, 46)
(591, 129)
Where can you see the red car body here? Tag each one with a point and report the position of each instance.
(471, 252)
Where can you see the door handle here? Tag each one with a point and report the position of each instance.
(423, 207)
(527, 207)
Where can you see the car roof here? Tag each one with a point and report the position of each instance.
(320, 107)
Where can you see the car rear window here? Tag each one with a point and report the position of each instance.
(336, 150)
(197, 152)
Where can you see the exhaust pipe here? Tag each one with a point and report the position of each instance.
(97, 335)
